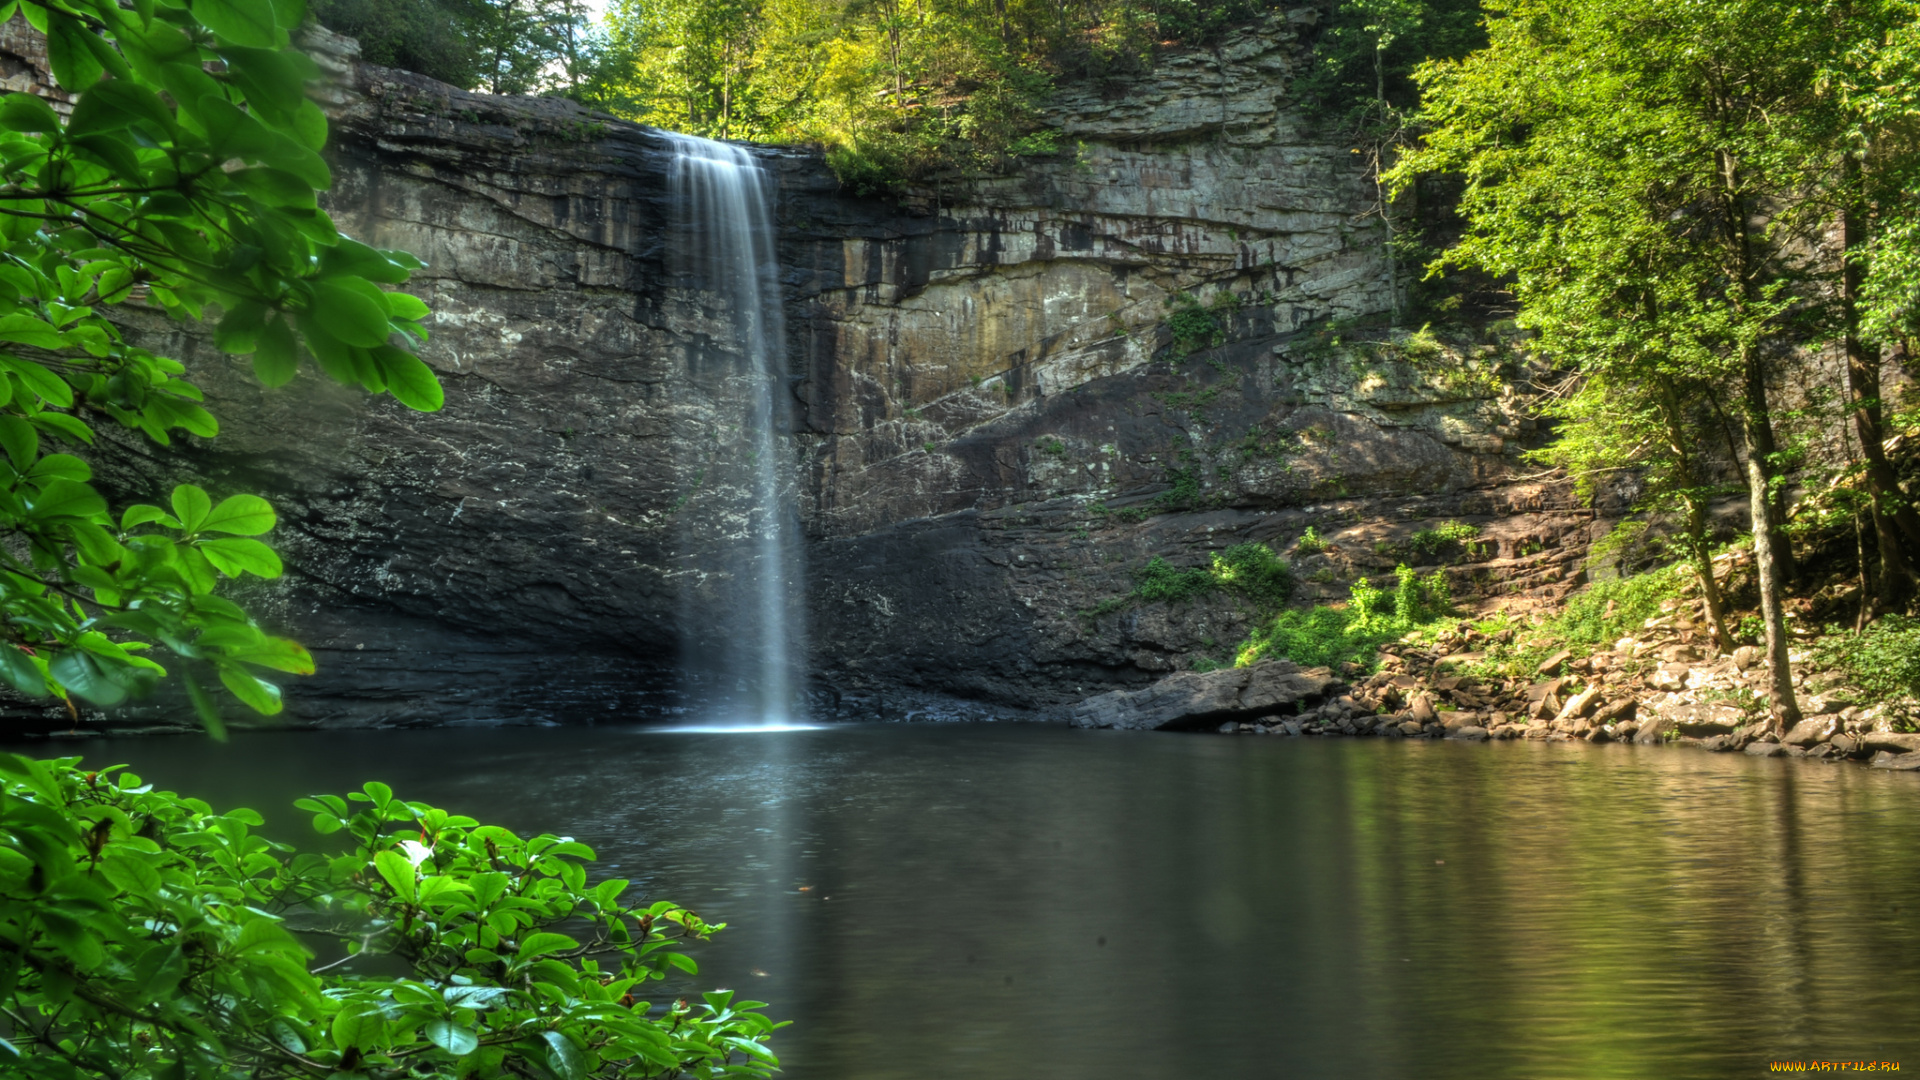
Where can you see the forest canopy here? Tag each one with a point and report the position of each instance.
(894, 89)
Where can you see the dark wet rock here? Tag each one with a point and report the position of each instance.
(1766, 749)
(1192, 700)
(1899, 762)
(1469, 733)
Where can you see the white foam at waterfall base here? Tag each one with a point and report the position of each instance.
(726, 253)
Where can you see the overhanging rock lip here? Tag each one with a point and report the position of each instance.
(1200, 699)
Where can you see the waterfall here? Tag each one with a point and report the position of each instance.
(742, 609)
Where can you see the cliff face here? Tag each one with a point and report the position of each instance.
(1011, 390)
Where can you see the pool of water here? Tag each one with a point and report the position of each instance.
(934, 902)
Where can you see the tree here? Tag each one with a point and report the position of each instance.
(184, 179)
(1627, 168)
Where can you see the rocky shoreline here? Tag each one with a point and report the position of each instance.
(1663, 687)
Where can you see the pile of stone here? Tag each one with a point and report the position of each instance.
(1666, 684)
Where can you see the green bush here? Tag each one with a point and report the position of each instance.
(1883, 660)
(1453, 532)
(147, 937)
(1161, 580)
(1328, 636)
(1252, 570)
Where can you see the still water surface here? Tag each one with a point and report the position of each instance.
(937, 903)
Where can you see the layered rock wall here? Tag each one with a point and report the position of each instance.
(1013, 390)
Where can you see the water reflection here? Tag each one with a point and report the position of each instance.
(946, 902)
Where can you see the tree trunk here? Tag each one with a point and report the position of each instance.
(1699, 539)
(1766, 540)
(1380, 187)
(1716, 604)
(1894, 517)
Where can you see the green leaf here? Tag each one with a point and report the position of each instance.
(115, 104)
(398, 873)
(274, 359)
(452, 1038)
(191, 505)
(239, 330)
(277, 187)
(70, 427)
(70, 55)
(277, 653)
(23, 111)
(31, 330)
(20, 441)
(241, 515)
(257, 694)
(564, 1058)
(354, 1026)
(348, 313)
(64, 466)
(50, 387)
(62, 498)
(131, 873)
(204, 707)
(143, 514)
(232, 557)
(21, 673)
(543, 943)
(80, 673)
(243, 22)
(409, 380)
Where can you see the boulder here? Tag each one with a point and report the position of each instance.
(1705, 719)
(1746, 656)
(1843, 743)
(1766, 749)
(1193, 700)
(1898, 742)
(1670, 677)
(1552, 663)
(1900, 762)
(1654, 731)
(1423, 709)
(1470, 733)
(1808, 732)
(1617, 712)
(1580, 705)
(1410, 728)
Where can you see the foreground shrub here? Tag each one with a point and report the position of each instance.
(143, 935)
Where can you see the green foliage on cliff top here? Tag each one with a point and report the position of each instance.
(148, 937)
(183, 182)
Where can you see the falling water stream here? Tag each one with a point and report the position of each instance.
(741, 623)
